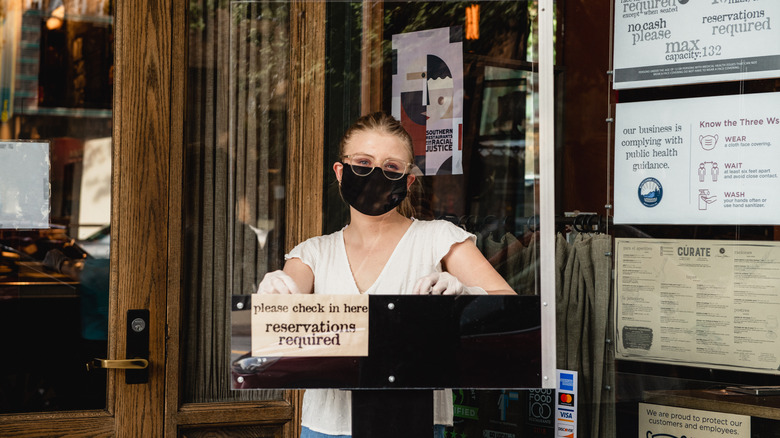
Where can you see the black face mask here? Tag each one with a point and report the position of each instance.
(374, 194)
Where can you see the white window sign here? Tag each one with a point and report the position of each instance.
(24, 184)
(712, 160)
(669, 42)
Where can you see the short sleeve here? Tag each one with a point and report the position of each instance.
(298, 253)
(308, 251)
(441, 235)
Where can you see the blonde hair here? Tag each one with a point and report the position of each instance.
(386, 124)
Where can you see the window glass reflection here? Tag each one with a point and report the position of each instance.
(56, 89)
(492, 194)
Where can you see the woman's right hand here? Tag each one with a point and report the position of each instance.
(277, 282)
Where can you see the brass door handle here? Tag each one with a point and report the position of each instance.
(128, 364)
(137, 348)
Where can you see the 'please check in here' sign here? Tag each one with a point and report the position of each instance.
(309, 325)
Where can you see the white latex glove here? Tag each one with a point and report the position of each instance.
(444, 283)
(277, 282)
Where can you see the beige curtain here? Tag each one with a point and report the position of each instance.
(583, 301)
(517, 260)
(234, 178)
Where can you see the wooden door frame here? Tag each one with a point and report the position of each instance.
(144, 149)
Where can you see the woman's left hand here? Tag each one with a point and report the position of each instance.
(444, 283)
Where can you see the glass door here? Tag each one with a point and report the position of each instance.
(90, 81)
(55, 129)
(142, 132)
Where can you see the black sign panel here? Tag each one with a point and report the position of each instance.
(421, 342)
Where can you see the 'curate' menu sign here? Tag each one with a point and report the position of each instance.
(712, 160)
(670, 42)
(701, 302)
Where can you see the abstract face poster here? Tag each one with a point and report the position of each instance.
(428, 96)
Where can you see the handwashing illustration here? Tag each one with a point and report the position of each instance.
(705, 199)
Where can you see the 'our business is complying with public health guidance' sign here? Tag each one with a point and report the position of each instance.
(712, 160)
(669, 42)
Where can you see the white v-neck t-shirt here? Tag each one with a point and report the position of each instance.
(418, 253)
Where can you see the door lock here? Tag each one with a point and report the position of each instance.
(137, 350)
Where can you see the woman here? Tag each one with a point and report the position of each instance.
(383, 250)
